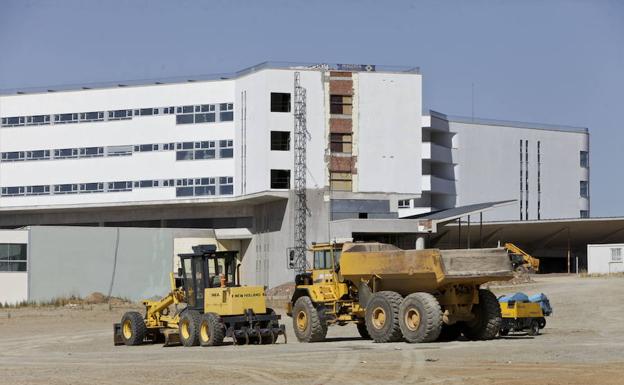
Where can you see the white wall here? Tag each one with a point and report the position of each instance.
(138, 130)
(13, 285)
(599, 259)
(488, 169)
(389, 132)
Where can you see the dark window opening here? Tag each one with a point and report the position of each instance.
(341, 143)
(341, 104)
(280, 179)
(280, 102)
(280, 141)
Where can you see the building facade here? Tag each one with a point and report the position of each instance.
(217, 153)
(545, 168)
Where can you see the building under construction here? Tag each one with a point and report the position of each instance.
(275, 156)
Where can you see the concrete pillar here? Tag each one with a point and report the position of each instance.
(420, 242)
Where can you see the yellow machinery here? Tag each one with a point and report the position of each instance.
(216, 306)
(393, 294)
(520, 315)
(520, 259)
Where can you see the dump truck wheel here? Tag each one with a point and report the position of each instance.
(133, 329)
(211, 330)
(542, 322)
(307, 323)
(488, 319)
(382, 316)
(450, 332)
(420, 317)
(361, 327)
(534, 328)
(188, 328)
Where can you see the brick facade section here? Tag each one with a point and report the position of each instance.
(341, 87)
(340, 126)
(340, 74)
(343, 164)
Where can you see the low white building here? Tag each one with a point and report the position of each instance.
(605, 259)
(13, 266)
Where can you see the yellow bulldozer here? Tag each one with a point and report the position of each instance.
(393, 294)
(206, 304)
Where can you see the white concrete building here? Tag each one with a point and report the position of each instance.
(470, 160)
(605, 258)
(217, 153)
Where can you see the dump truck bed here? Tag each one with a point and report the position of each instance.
(408, 271)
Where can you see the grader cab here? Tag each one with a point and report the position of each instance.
(209, 304)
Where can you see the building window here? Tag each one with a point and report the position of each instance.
(12, 191)
(341, 143)
(616, 254)
(280, 141)
(37, 120)
(341, 181)
(65, 153)
(341, 104)
(95, 116)
(67, 188)
(119, 186)
(280, 102)
(584, 159)
(38, 190)
(119, 150)
(119, 114)
(226, 185)
(65, 118)
(584, 213)
(280, 179)
(13, 121)
(226, 112)
(13, 257)
(13, 156)
(404, 203)
(226, 149)
(584, 189)
(86, 188)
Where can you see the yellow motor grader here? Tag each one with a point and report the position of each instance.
(208, 304)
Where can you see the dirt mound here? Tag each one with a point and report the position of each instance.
(283, 290)
(520, 278)
(96, 298)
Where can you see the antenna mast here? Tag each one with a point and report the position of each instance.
(300, 170)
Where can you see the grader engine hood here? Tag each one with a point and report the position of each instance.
(234, 300)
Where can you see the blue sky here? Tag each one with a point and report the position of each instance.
(559, 62)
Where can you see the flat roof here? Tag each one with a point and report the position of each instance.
(451, 214)
(216, 76)
(506, 123)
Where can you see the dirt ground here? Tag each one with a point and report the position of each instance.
(582, 343)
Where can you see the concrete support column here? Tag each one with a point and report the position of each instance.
(420, 242)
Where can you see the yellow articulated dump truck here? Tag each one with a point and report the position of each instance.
(394, 295)
(210, 304)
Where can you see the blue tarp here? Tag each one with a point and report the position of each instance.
(540, 298)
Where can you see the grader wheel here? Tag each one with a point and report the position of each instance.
(188, 328)
(133, 329)
(211, 330)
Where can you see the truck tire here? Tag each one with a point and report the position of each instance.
(382, 316)
(488, 319)
(542, 322)
(361, 327)
(133, 329)
(211, 330)
(308, 324)
(420, 318)
(188, 327)
(533, 328)
(450, 333)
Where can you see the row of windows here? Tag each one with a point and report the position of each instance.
(184, 187)
(202, 113)
(210, 150)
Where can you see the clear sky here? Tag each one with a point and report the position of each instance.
(559, 62)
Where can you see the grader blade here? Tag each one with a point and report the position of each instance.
(172, 338)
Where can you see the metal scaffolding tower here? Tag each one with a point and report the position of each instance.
(300, 171)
